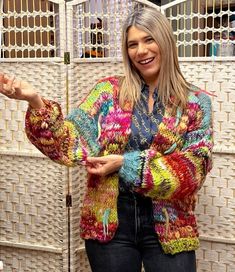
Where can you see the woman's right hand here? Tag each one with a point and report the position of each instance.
(20, 90)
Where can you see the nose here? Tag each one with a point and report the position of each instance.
(142, 49)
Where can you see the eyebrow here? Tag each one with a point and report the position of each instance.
(143, 38)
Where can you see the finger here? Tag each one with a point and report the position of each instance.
(92, 159)
(1, 80)
(1, 77)
(9, 84)
(6, 84)
(17, 84)
(96, 160)
(95, 166)
(93, 171)
(99, 171)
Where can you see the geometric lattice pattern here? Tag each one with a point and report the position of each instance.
(33, 226)
(31, 200)
(97, 26)
(216, 202)
(29, 29)
(32, 213)
(203, 28)
(216, 257)
(36, 28)
(22, 260)
(217, 78)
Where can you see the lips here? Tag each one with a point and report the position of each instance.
(146, 61)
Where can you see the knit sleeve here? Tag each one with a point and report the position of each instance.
(177, 174)
(68, 140)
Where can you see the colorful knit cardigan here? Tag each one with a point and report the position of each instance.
(171, 171)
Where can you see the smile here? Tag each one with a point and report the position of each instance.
(146, 61)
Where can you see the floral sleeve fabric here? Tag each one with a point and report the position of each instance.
(69, 141)
(179, 172)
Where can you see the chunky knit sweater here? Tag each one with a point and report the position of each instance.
(171, 171)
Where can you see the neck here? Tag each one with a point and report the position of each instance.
(152, 87)
(152, 84)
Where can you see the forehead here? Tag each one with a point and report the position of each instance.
(136, 33)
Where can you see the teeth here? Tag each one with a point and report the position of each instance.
(146, 61)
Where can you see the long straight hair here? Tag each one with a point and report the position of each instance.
(172, 86)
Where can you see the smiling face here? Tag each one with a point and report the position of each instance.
(144, 54)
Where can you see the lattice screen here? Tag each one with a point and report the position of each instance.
(203, 27)
(96, 26)
(29, 29)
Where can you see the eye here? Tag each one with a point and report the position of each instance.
(149, 40)
(131, 45)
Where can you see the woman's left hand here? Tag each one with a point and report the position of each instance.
(102, 166)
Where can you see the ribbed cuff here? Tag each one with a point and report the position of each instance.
(131, 168)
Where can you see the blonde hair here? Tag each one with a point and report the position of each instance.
(172, 86)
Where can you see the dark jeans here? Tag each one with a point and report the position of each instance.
(135, 242)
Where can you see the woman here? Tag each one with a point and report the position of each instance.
(146, 141)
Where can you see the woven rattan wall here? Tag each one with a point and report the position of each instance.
(32, 188)
(216, 203)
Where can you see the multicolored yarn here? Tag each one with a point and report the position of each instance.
(171, 171)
